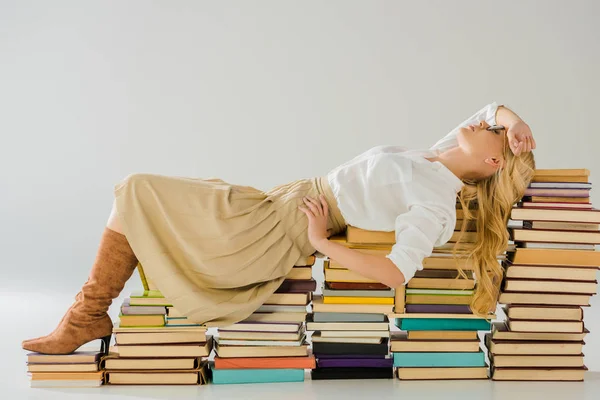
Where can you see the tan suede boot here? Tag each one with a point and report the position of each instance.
(87, 318)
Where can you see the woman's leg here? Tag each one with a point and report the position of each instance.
(87, 318)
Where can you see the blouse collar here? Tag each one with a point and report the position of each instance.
(446, 174)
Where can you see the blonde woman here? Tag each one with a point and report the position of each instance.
(217, 250)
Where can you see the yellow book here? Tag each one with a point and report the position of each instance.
(357, 300)
(400, 299)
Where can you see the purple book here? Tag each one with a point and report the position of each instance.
(345, 356)
(438, 308)
(355, 363)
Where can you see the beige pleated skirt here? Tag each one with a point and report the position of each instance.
(217, 250)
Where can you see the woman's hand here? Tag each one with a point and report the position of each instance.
(520, 138)
(317, 212)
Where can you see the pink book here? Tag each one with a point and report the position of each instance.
(582, 206)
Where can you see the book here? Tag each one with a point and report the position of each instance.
(167, 377)
(540, 235)
(317, 338)
(442, 335)
(542, 199)
(564, 313)
(141, 320)
(327, 292)
(440, 274)
(271, 343)
(167, 350)
(306, 261)
(348, 326)
(547, 286)
(439, 316)
(65, 379)
(381, 333)
(241, 335)
(550, 273)
(544, 298)
(319, 306)
(401, 343)
(516, 325)
(400, 299)
(117, 328)
(301, 299)
(561, 226)
(277, 317)
(430, 359)
(564, 206)
(77, 357)
(554, 178)
(261, 351)
(233, 376)
(148, 298)
(114, 362)
(62, 367)
(538, 374)
(562, 173)
(557, 192)
(266, 308)
(497, 346)
(441, 292)
(128, 309)
(297, 286)
(355, 363)
(356, 235)
(501, 332)
(307, 362)
(300, 273)
(322, 348)
(258, 326)
(557, 246)
(438, 324)
(181, 322)
(438, 308)
(434, 283)
(331, 373)
(558, 185)
(66, 383)
(357, 286)
(568, 258)
(347, 317)
(357, 300)
(345, 275)
(537, 361)
(438, 299)
(439, 373)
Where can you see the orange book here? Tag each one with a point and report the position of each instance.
(566, 258)
(562, 172)
(555, 178)
(540, 199)
(307, 362)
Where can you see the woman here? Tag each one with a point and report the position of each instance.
(217, 251)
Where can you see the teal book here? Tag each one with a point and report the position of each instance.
(229, 376)
(442, 324)
(439, 359)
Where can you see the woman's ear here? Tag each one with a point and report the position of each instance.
(495, 162)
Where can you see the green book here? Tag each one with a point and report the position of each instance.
(229, 376)
(148, 298)
(442, 324)
(453, 359)
(147, 293)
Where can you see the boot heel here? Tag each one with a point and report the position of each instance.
(105, 344)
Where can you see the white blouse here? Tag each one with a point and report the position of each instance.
(391, 188)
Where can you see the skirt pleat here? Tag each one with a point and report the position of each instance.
(217, 250)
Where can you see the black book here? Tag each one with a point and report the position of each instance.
(325, 348)
(297, 286)
(352, 373)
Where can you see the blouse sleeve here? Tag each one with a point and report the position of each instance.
(487, 113)
(418, 231)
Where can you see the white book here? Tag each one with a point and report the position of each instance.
(64, 384)
(355, 334)
(560, 185)
(558, 246)
(316, 338)
(232, 342)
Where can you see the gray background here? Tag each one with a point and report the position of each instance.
(257, 93)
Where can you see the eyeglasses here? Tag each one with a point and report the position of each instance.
(495, 128)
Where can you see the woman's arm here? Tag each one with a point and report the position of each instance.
(520, 137)
(371, 266)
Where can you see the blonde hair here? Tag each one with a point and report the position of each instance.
(492, 199)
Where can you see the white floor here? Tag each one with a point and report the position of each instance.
(34, 314)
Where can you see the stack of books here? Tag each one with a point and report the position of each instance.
(156, 345)
(350, 323)
(548, 278)
(79, 369)
(270, 345)
(438, 338)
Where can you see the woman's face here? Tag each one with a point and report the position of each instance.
(483, 146)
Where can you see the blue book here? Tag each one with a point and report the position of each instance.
(439, 359)
(228, 376)
(442, 324)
